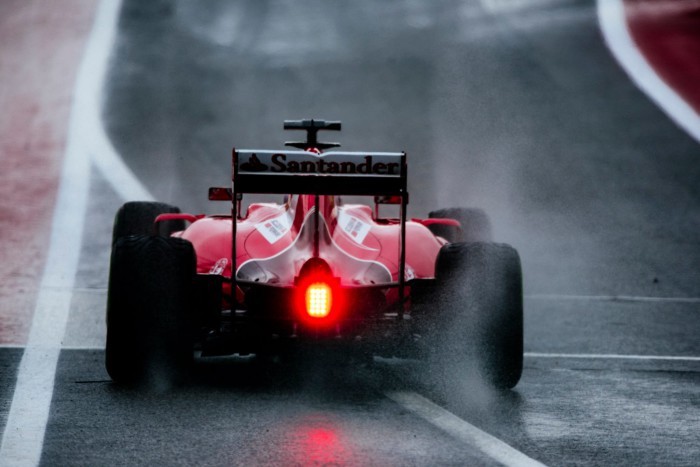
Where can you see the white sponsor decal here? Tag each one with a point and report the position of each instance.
(353, 227)
(410, 273)
(219, 267)
(275, 228)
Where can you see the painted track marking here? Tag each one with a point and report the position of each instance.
(23, 438)
(462, 430)
(613, 24)
(670, 358)
(662, 358)
(614, 298)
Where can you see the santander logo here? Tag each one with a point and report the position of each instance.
(307, 163)
(254, 165)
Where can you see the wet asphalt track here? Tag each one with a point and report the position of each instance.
(520, 111)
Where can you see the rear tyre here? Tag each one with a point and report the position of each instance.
(480, 303)
(137, 218)
(149, 303)
(476, 226)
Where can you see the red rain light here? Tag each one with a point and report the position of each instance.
(319, 298)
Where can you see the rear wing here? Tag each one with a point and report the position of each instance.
(329, 173)
(379, 174)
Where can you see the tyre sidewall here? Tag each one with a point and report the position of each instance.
(480, 311)
(149, 318)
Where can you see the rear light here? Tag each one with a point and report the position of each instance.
(319, 299)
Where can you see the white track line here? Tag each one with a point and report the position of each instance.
(588, 356)
(63, 347)
(112, 167)
(462, 430)
(613, 24)
(663, 358)
(102, 152)
(23, 438)
(614, 298)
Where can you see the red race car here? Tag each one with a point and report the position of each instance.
(311, 271)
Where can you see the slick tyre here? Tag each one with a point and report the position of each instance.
(476, 225)
(149, 303)
(480, 300)
(137, 218)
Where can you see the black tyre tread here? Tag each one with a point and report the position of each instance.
(149, 331)
(136, 218)
(481, 304)
(476, 225)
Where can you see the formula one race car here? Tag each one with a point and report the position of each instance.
(311, 271)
